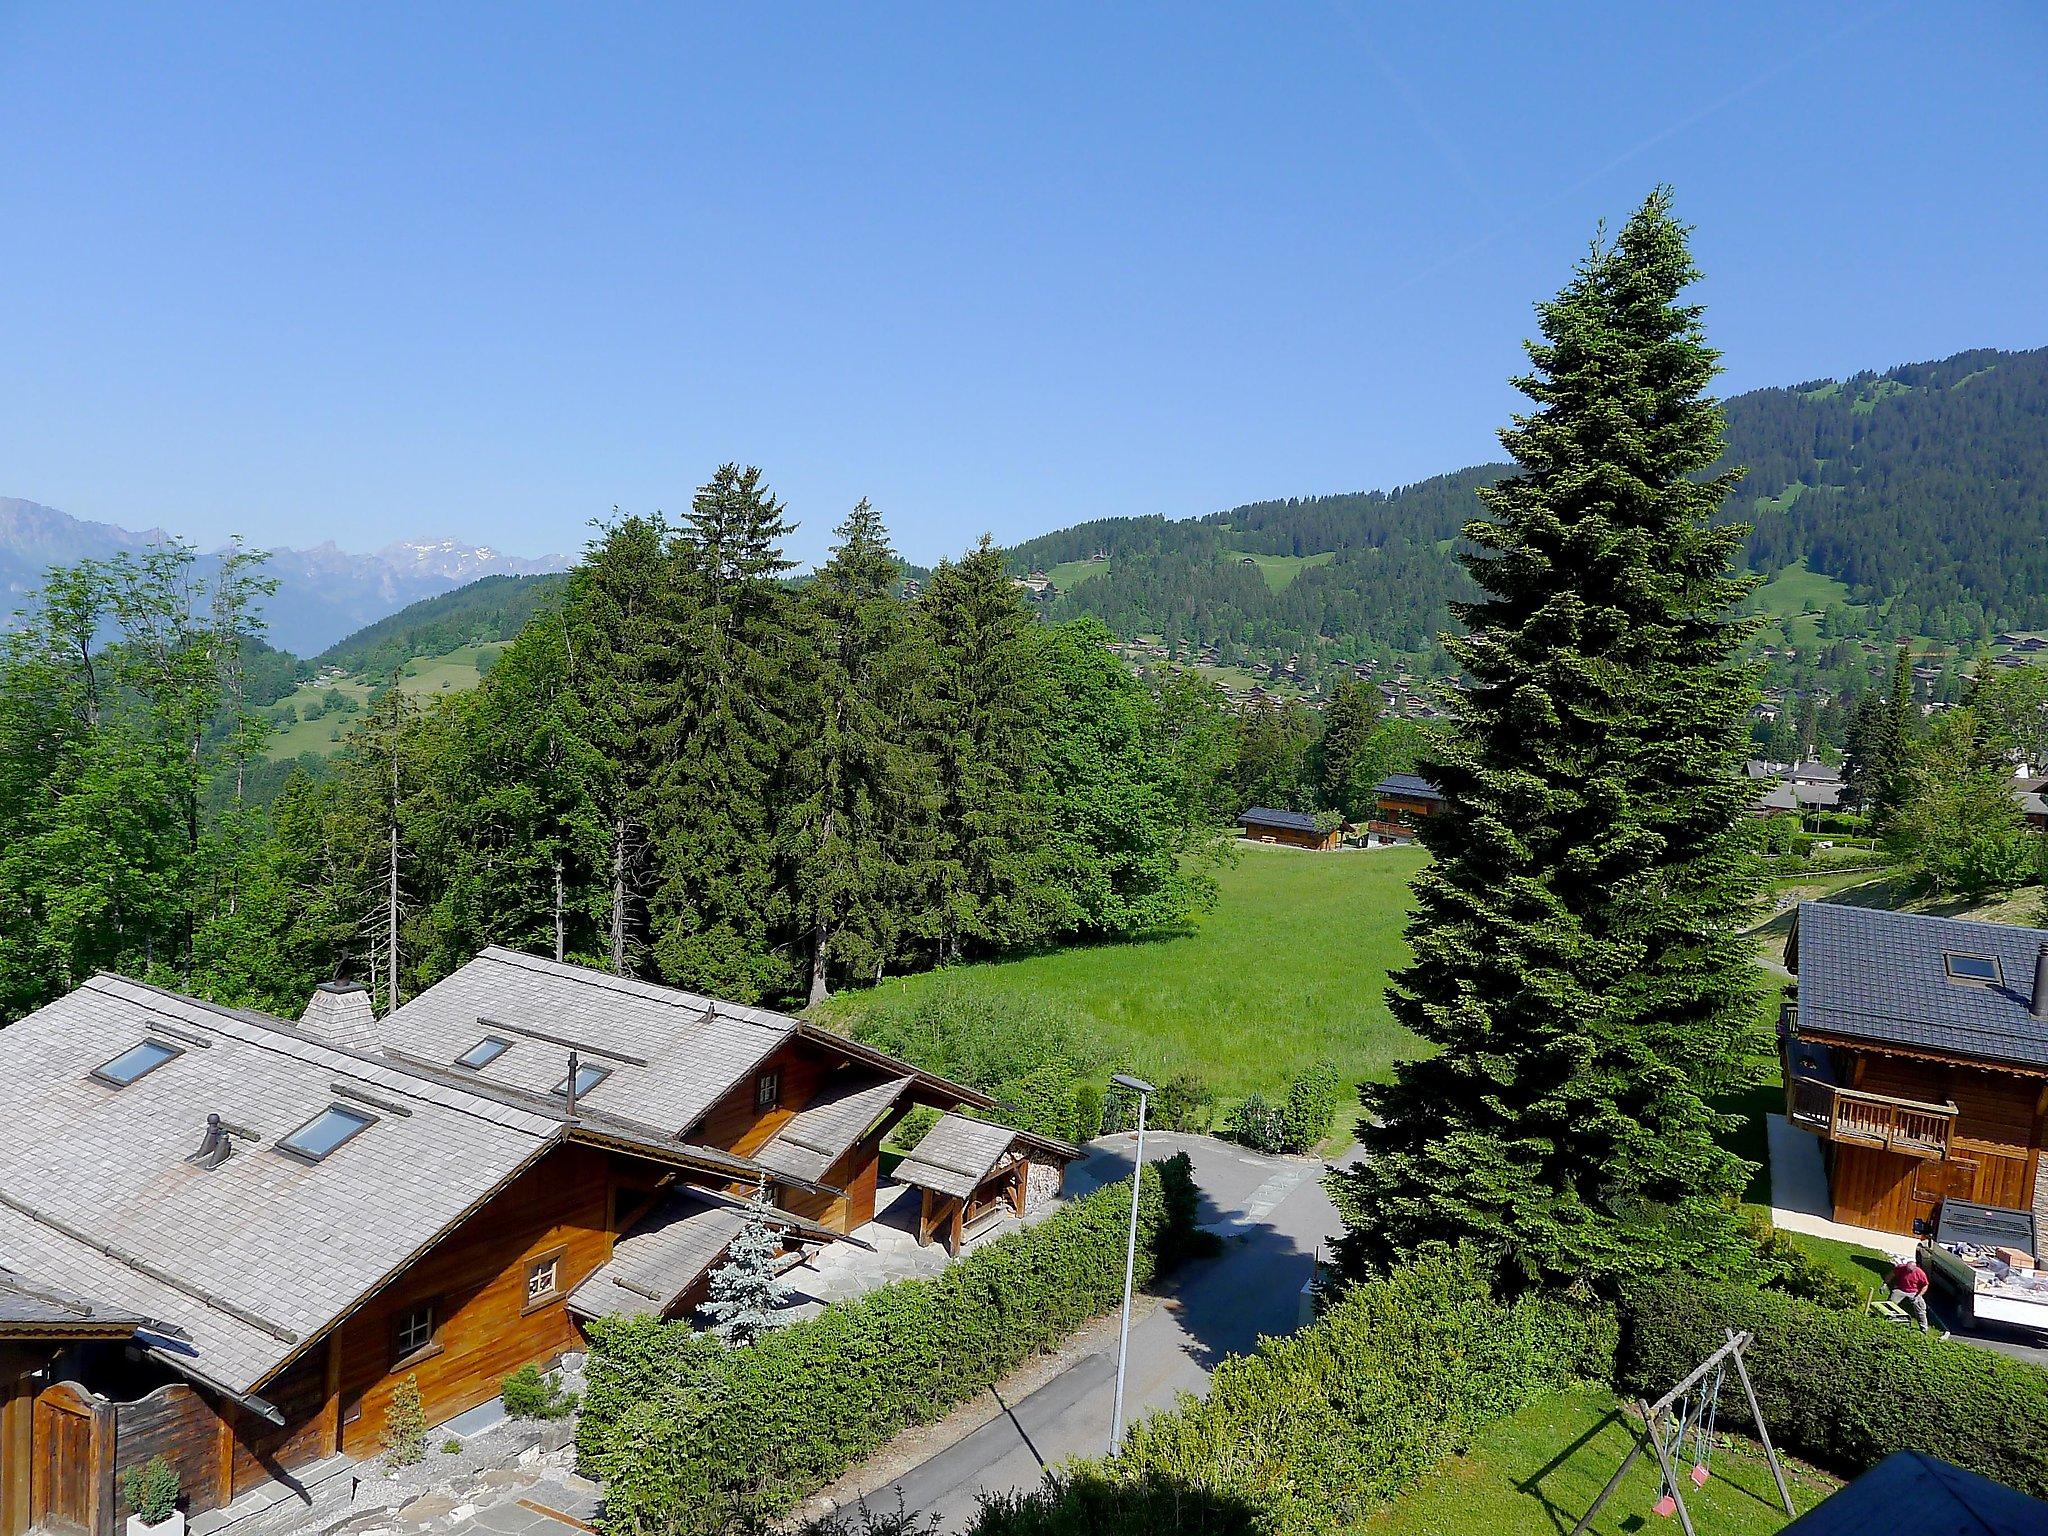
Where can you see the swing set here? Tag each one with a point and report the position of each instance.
(1689, 1412)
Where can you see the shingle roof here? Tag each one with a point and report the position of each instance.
(250, 1260)
(1939, 1496)
(1868, 974)
(1407, 784)
(1779, 797)
(957, 1153)
(814, 1138)
(669, 1054)
(1266, 816)
(668, 1251)
(32, 1309)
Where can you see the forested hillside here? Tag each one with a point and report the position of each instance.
(1923, 491)
(495, 608)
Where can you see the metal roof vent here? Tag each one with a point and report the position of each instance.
(341, 1011)
(215, 1147)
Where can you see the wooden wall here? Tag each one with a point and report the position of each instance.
(477, 1278)
(1994, 1147)
(178, 1423)
(734, 1125)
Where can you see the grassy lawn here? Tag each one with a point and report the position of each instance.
(1290, 968)
(1536, 1473)
(1071, 573)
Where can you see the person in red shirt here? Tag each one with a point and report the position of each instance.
(1909, 1287)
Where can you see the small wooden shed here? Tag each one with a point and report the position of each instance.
(971, 1172)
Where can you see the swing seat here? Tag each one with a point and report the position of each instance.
(1699, 1477)
(1667, 1506)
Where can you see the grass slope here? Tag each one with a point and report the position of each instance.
(1537, 1472)
(1289, 969)
(428, 677)
(1280, 570)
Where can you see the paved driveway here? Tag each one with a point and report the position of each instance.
(1274, 1218)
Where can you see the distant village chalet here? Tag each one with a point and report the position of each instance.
(229, 1238)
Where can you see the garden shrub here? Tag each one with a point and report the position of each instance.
(1087, 1110)
(527, 1394)
(1783, 1264)
(1314, 1432)
(1184, 1103)
(1258, 1123)
(691, 1436)
(1844, 1389)
(1311, 1107)
(151, 1490)
(405, 1425)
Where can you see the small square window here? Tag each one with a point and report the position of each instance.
(543, 1279)
(135, 1062)
(768, 1090)
(484, 1052)
(326, 1131)
(412, 1331)
(587, 1078)
(1977, 968)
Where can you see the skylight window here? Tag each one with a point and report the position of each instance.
(1976, 968)
(326, 1131)
(135, 1062)
(587, 1078)
(484, 1052)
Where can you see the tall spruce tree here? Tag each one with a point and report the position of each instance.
(725, 731)
(860, 828)
(983, 722)
(1577, 955)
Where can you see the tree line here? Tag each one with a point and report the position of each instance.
(687, 765)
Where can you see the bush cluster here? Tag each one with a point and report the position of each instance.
(527, 1394)
(1844, 1389)
(690, 1436)
(1294, 1125)
(151, 1490)
(1314, 1432)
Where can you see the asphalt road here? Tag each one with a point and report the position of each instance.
(1274, 1218)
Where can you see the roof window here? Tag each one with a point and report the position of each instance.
(135, 1062)
(326, 1131)
(587, 1077)
(483, 1053)
(1973, 970)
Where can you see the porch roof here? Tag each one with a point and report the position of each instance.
(958, 1153)
(669, 1250)
(819, 1134)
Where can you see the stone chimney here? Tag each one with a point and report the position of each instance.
(2040, 1003)
(341, 1011)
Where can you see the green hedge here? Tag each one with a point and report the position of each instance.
(691, 1436)
(1316, 1431)
(1844, 1389)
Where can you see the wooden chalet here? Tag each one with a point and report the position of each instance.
(1296, 829)
(1401, 801)
(1917, 1050)
(228, 1238)
(970, 1173)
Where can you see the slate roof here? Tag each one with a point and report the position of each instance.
(31, 1309)
(818, 1135)
(1409, 785)
(1942, 1499)
(1866, 974)
(670, 1054)
(1814, 771)
(661, 1258)
(1779, 797)
(240, 1266)
(957, 1153)
(1287, 821)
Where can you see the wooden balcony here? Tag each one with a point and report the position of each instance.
(1849, 1115)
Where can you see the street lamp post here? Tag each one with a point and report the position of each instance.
(1144, 1091)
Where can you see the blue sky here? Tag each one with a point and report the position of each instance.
(372, 271)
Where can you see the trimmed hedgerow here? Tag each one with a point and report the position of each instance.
(1315, 1432)
(692, 1436)
(1844, 1389)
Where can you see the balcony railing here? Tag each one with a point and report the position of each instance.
(1912, 1126)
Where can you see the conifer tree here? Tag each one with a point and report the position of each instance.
(724, 733)
(1577, 956)
(983, 720)
(744, 1291)
(860, 826)
(1348, 720)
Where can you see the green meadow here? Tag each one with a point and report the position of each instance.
(1289, 968)
(425, 678)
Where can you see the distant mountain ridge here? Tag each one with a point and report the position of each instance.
(324, 594)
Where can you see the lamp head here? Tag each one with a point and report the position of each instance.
(1135, 1084)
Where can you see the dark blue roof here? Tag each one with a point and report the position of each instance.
(1943, 1500)
(1407, 784)
(1868, 974)
(1266, 816)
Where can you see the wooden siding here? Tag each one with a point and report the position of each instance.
(263, 1450)
(476, 1279)
(1291, 837)
(178, 1423)
(733, 1124)
(1873, 1188)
